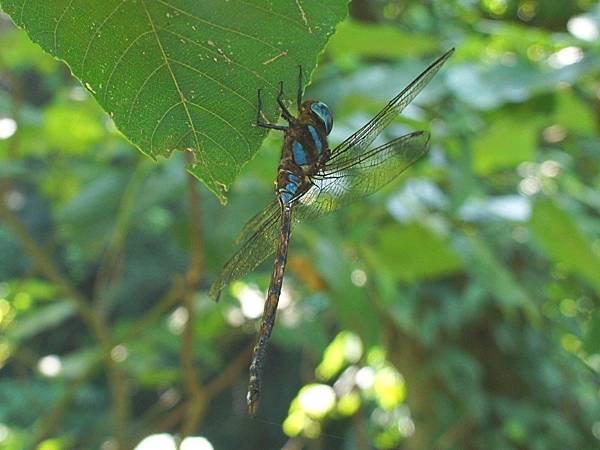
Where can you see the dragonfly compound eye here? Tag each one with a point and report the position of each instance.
(321, 110)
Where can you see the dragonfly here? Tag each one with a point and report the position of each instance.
(312, 180)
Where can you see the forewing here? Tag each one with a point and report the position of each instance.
(342, 182)
(363, 138)
(257, 247)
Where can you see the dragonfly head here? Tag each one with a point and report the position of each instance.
(321, 112)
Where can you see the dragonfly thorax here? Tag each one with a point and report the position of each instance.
(305, 150)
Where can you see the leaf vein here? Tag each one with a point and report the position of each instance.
(23, 11)
(140, 89)
(304, 16)
(95, 34)
(233, 61)
(223, 119)
(160, 121)
(120, 58)
(220, 83)
(181, 96)
(275, 14)
(220, 27)
(58, 23)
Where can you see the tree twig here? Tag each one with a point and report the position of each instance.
(90, 317)
(196, 403)
(109, 265)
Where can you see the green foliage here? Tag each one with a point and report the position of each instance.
(456, 309)
(183, 75)
(356, 39)
(563, 241)
(412, 252)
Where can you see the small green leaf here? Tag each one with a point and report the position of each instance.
(564, 242)
(183, 74)
(574, 114)
(41, 319)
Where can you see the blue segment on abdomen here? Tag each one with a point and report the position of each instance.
(291, 188)
(299, 154)
(316, 139)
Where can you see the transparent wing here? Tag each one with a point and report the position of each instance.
(350, 173)
(342, 182)
(254, 224)
(257, 247)
(362, 139)
(334, 186)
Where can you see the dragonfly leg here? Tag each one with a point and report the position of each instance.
(300, 81)
(285, 113)
(260, 122)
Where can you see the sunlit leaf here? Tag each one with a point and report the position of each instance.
(345, 348)
(316, 400)
(389, 386)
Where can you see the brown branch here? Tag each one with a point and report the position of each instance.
(47, 267)
(197, 403)
(225, 379)
(173, 295)
(94, 321)
(196, 249)
(230, 374)
(109, 265)
(46, 426)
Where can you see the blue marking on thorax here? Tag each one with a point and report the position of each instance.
(299, 154)
(322, 112)
(316, 139)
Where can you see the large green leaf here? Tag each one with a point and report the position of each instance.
(561, 238)
(183, 74)
(495, 276)
(412, 252)
(506, 143)
(357, 38)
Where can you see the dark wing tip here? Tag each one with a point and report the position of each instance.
(427, 136)
(426, 143)
(215, 292)
(441, 60)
